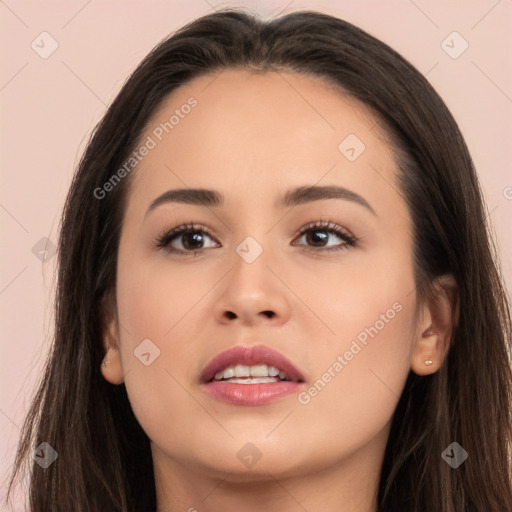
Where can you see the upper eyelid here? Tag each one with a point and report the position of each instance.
(327, 225)
(319, 224)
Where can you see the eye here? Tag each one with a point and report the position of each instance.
(189, 238)
(317, 233)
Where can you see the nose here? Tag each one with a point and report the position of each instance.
(253, 293)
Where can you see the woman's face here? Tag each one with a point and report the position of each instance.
(339, 307)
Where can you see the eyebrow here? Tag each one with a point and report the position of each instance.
(294, 197)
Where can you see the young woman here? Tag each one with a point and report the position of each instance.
(276, 290)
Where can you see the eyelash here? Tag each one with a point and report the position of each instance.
(163, 240)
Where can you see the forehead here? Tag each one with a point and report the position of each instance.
(241, 128)
(298, 105)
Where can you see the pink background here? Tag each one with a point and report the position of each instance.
(49, 107)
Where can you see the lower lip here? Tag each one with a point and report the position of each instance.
(251, 394)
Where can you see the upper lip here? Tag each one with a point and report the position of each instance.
(250, 355)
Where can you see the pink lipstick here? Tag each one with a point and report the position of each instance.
(250, 375)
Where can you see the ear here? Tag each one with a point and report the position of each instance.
(111, 367)
(439, 316)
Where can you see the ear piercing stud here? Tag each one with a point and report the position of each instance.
(428, 362)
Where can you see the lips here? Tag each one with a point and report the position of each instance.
(249, 355)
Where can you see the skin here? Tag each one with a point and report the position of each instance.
(252, 137)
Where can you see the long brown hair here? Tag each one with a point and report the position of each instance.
(104, 460)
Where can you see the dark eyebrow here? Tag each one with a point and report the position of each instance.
(196, 196)
(308, 194)
(296, 196)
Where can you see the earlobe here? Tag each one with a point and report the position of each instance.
(111, 366)
(429, 353)
(439, 317)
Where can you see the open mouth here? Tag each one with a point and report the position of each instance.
(253, 375)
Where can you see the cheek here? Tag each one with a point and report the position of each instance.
(360, 377)
(155, 297)
(158, 305)
(362, 362)
(362, 290)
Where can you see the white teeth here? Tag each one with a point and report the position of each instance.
(256, 380)
(242, 371)
(273, 371)
(228, 373)
(261, 371)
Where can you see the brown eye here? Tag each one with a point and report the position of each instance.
(184, 240)
(319, 234)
